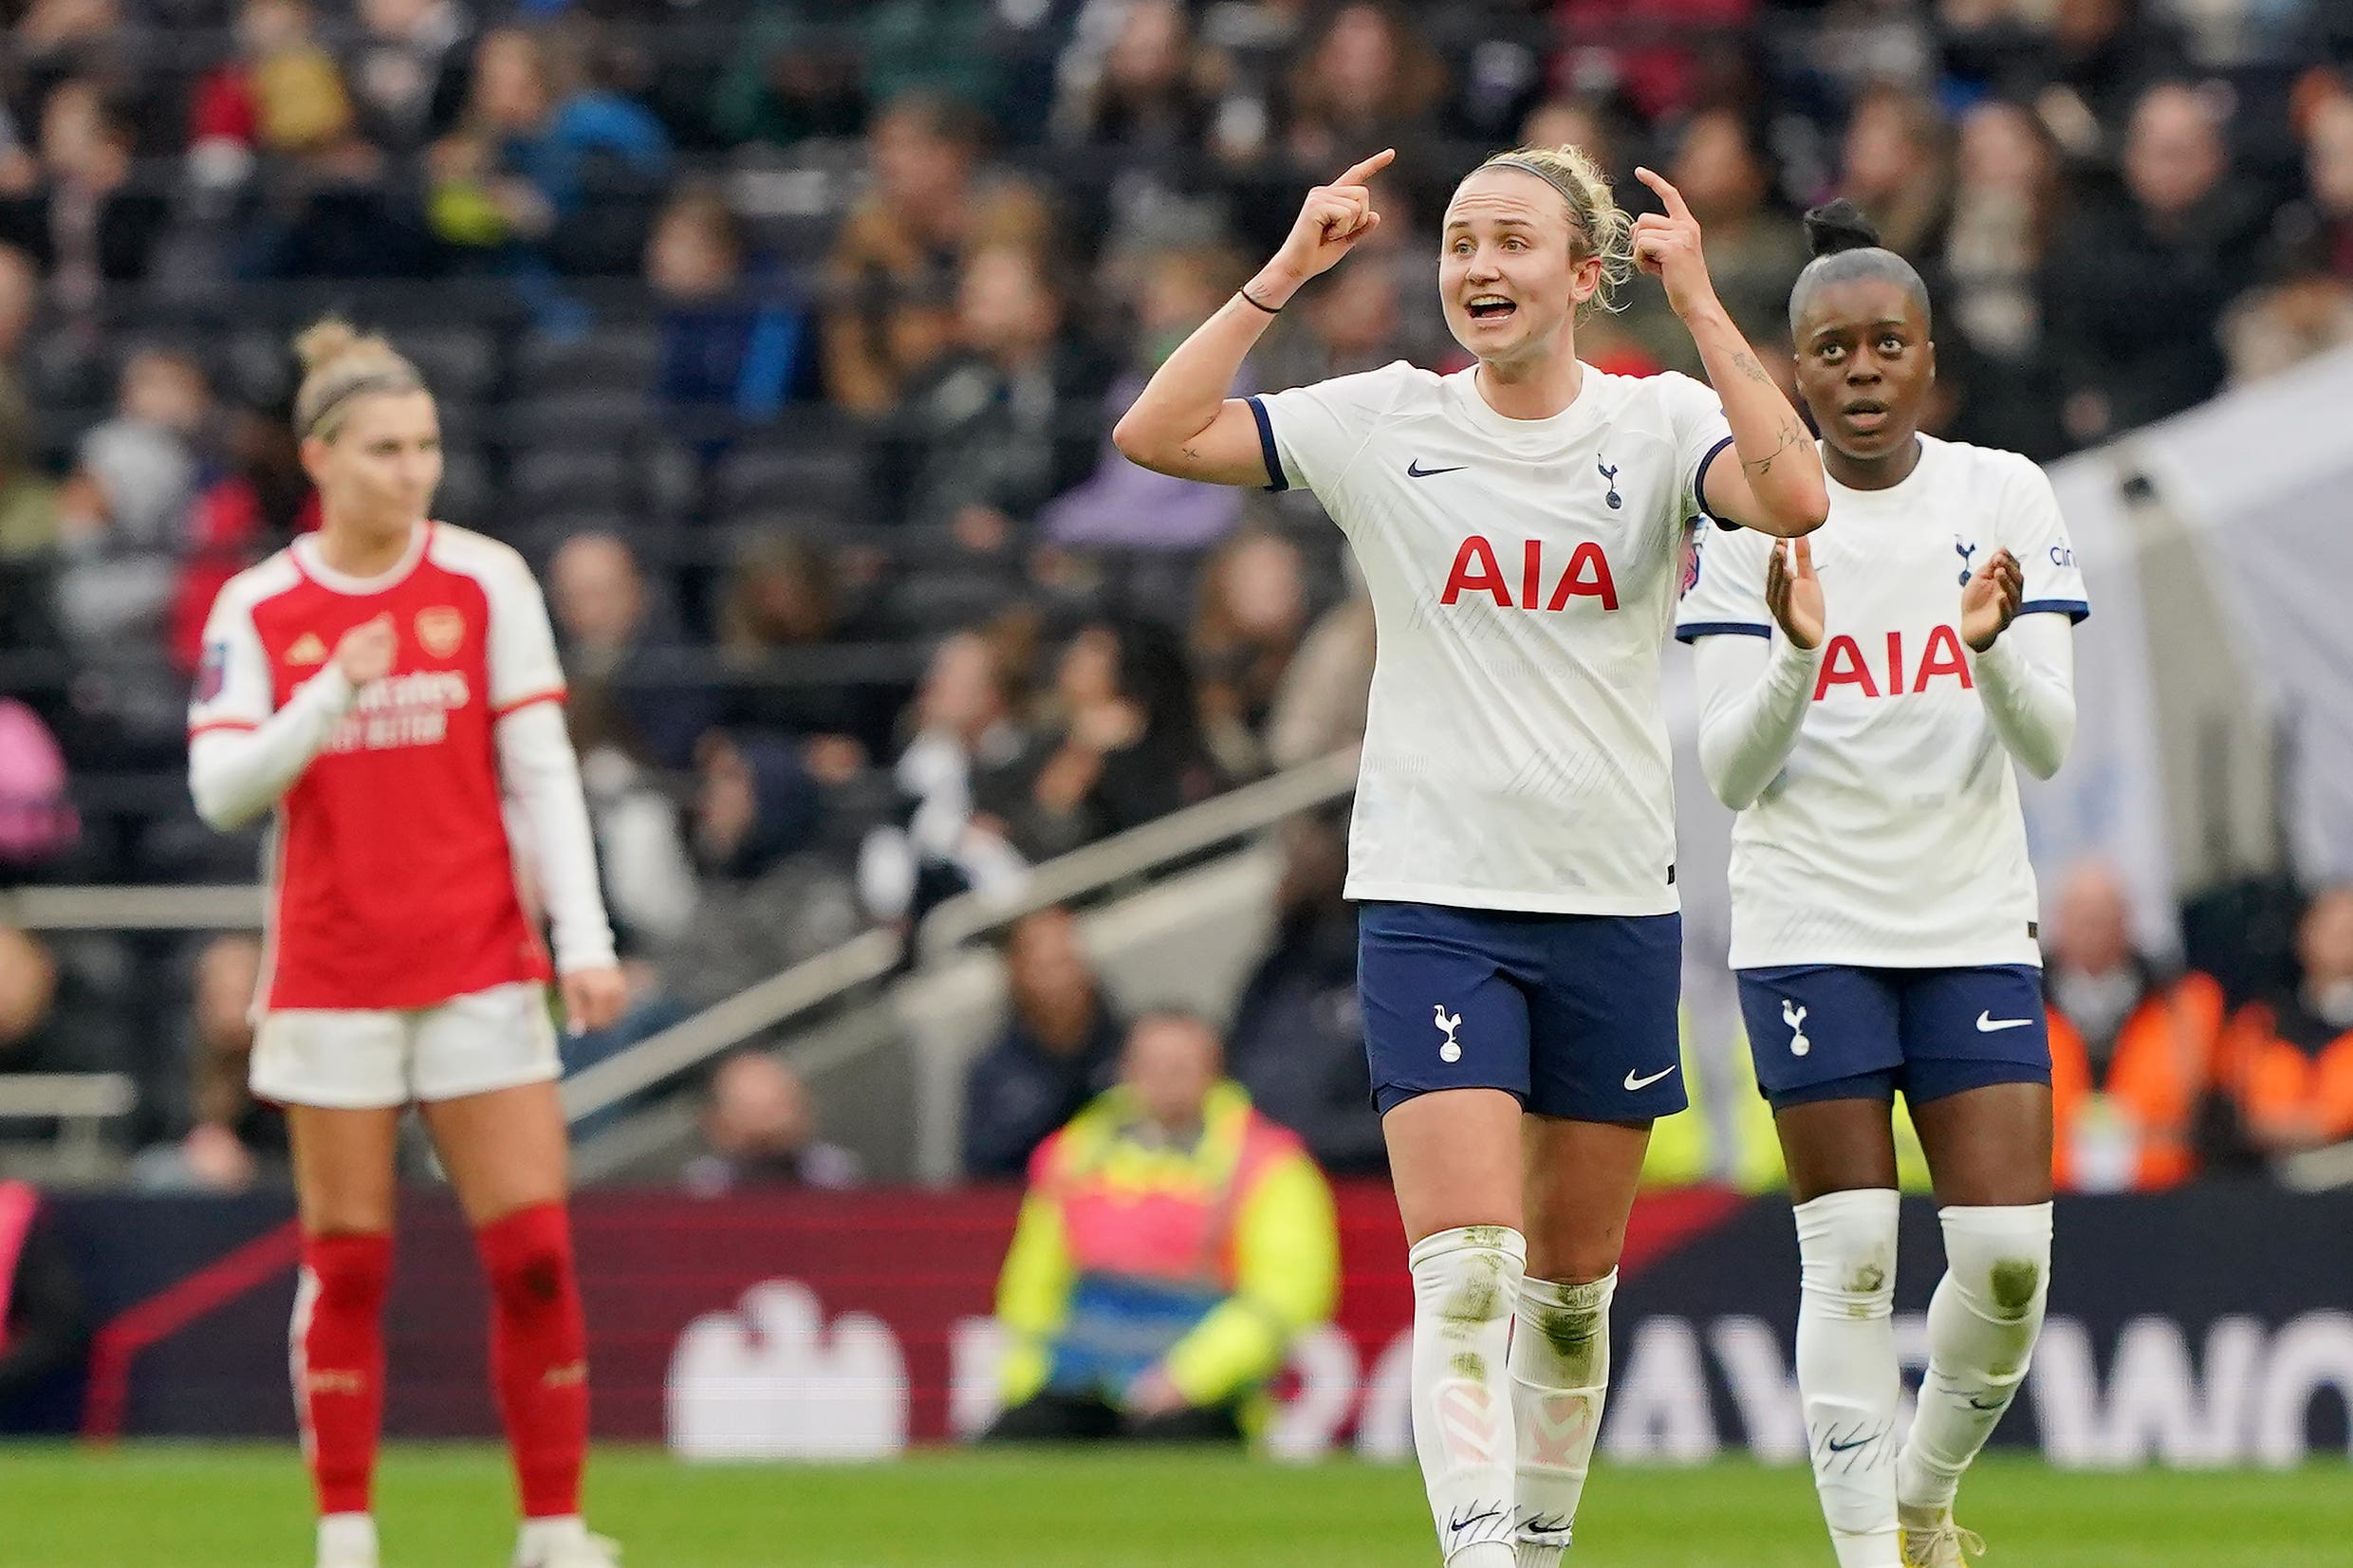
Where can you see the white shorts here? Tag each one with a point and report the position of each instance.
(365, 1058)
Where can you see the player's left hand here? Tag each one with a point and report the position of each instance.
(1666, 244)
(1990, 601)
(593, 999)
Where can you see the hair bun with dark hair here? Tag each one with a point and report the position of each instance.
(1836, 226)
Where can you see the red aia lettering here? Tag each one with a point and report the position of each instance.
(1843, 664)
(1477, 571)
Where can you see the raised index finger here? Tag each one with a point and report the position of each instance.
(1669, 196)
(1367, 169)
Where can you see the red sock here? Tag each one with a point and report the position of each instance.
(539, 1353)
(338, 1362)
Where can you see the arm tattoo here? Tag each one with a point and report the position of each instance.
(1746, 363)
(1763, 466)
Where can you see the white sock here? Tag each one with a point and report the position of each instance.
(1982, 1324)
(540, 1537)
(1846, 1370)
(1560, 1372)
(348, 1537)
(1465, 1282)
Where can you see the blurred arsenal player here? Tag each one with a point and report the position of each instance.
(382, 685)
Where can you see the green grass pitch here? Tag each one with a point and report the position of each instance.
(173, 1506)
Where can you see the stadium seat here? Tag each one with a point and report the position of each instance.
(766, 480)
(611, 358)
(597, 416)
(545, 480)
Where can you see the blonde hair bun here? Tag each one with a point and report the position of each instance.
(340, 363)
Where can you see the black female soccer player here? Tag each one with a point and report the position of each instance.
(1863, 697)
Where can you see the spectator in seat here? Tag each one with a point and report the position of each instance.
(952, 782)
(1898, 161)
(891, 279)
(2288, 1065)
(759, 1131)
(1129, 508)
(1011, 417)
(814, 67)
(230, 1139)
(1992, 342)
(123, 526)
(1249, 616)
(408, 69)
(1297, 1041)
(732, 347)
(786, 594)
(45, 1324)
(2132, 1047)
(1058, 1051)
(541, 140)
(82, 218)
(604, 625)
(1129, 749)
(2136, 292)
(1367, 79)
(49, 1023)
(1755, 249)
(768, 900)
(1173, 1243)
(258, 506)
(2300, 312)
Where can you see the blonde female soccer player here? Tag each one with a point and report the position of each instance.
(1863, 698)
(380, 685)
(1522, 526)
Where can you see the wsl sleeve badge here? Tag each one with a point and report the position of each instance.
(1691, 557)
(211, 671)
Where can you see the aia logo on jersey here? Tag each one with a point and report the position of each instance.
(1843, 665)
(1586, 574)
(441, 629)
(211, 671)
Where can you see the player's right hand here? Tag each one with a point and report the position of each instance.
(366, 652)
(1793, 593)
(1332, 220)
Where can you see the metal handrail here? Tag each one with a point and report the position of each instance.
(1248, 809)
(689, 1043)
(66, 1097)
(232, 908)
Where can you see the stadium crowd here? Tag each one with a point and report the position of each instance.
(785, 339)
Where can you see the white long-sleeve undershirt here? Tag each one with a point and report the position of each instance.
(1753, 697)
(535, 759)
(2027, 682)
(235, 775)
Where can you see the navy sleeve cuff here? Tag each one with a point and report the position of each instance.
(2074, 609)
(1699, 629)
(1276, 481)
(1699, 486)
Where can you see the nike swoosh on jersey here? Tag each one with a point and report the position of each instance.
(1415, 470)
(1987, 1024)
(1633, 1083)
(1851, 1444)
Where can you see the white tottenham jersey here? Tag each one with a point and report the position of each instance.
(1523, 575)
(1892, 836)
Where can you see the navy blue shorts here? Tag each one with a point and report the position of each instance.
(1834, 1031)
(1575, 1014)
